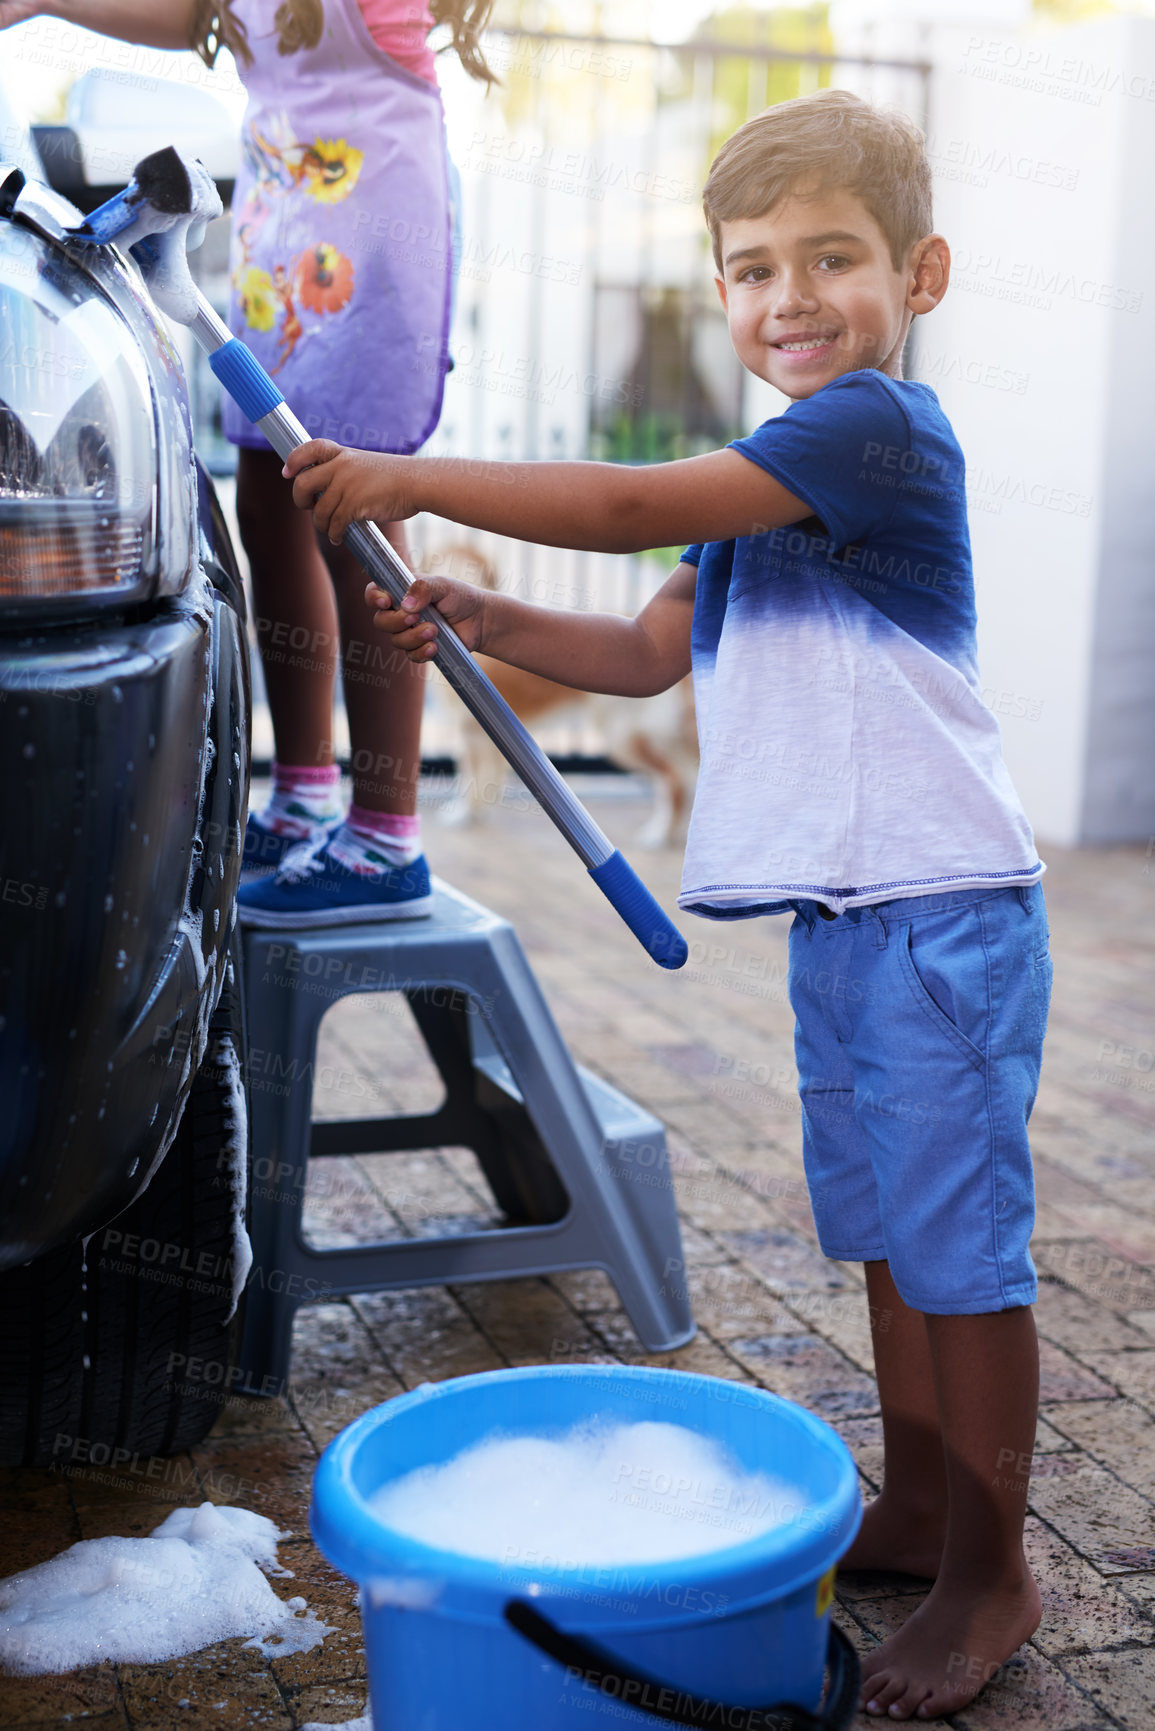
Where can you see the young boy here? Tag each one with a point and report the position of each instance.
(850, 772)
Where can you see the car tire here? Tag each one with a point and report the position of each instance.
(99, 1338)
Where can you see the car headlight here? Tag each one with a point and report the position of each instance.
(78, 460)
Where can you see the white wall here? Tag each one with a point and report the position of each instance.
(1119, 763)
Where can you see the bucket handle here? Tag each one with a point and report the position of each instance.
(673, 1705)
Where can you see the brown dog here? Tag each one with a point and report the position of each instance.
(653, 736)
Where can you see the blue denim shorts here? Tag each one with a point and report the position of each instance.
(919, 1037)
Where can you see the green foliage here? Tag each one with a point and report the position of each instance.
(1066, 11)
(743, 86)
(650, 437)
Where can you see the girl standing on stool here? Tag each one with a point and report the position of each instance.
(341, 286)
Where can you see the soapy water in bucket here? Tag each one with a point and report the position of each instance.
(602, 1493)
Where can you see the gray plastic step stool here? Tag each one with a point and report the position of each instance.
(580, 1171)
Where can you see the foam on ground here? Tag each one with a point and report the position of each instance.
(195, 1581)
(606, 1493)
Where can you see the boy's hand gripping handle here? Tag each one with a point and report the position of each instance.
(251, 387)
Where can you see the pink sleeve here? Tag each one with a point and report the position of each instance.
(400, 27)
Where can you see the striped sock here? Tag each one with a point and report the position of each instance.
(370, 842)
(303, 796)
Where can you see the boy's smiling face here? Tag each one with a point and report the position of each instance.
(811, 291)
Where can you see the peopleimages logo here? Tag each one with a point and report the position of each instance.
(943, 367)
(965, 159)
(1036, 284)
(1030, 66)
(56, 363)
(991, 489)
(70, 48)
(536, 163)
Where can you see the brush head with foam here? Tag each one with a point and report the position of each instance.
(163, 180)
(166, 205)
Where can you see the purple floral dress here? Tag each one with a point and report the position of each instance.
(340, 261)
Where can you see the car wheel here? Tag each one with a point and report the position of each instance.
(118, 1348)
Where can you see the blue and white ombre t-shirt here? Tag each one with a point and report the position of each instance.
(847, 755)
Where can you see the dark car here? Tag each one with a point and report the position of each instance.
(124, 741)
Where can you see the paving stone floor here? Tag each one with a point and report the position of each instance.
(709, 1050)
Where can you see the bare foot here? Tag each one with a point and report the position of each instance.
(896, 1538)
(949, 1648)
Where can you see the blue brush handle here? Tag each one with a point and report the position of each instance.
(113, 216)
(650, 924)
(245, 379)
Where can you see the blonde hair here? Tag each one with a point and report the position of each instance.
(830, 139)
(299, 24)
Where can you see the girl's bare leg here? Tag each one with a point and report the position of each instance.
(309, 602)
(295, 611)
(384, 693)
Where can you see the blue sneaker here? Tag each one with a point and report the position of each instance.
(265, 847)
(314, 889)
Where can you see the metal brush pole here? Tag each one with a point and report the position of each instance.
(245, 380)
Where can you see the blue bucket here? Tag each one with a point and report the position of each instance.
(458, 1643)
